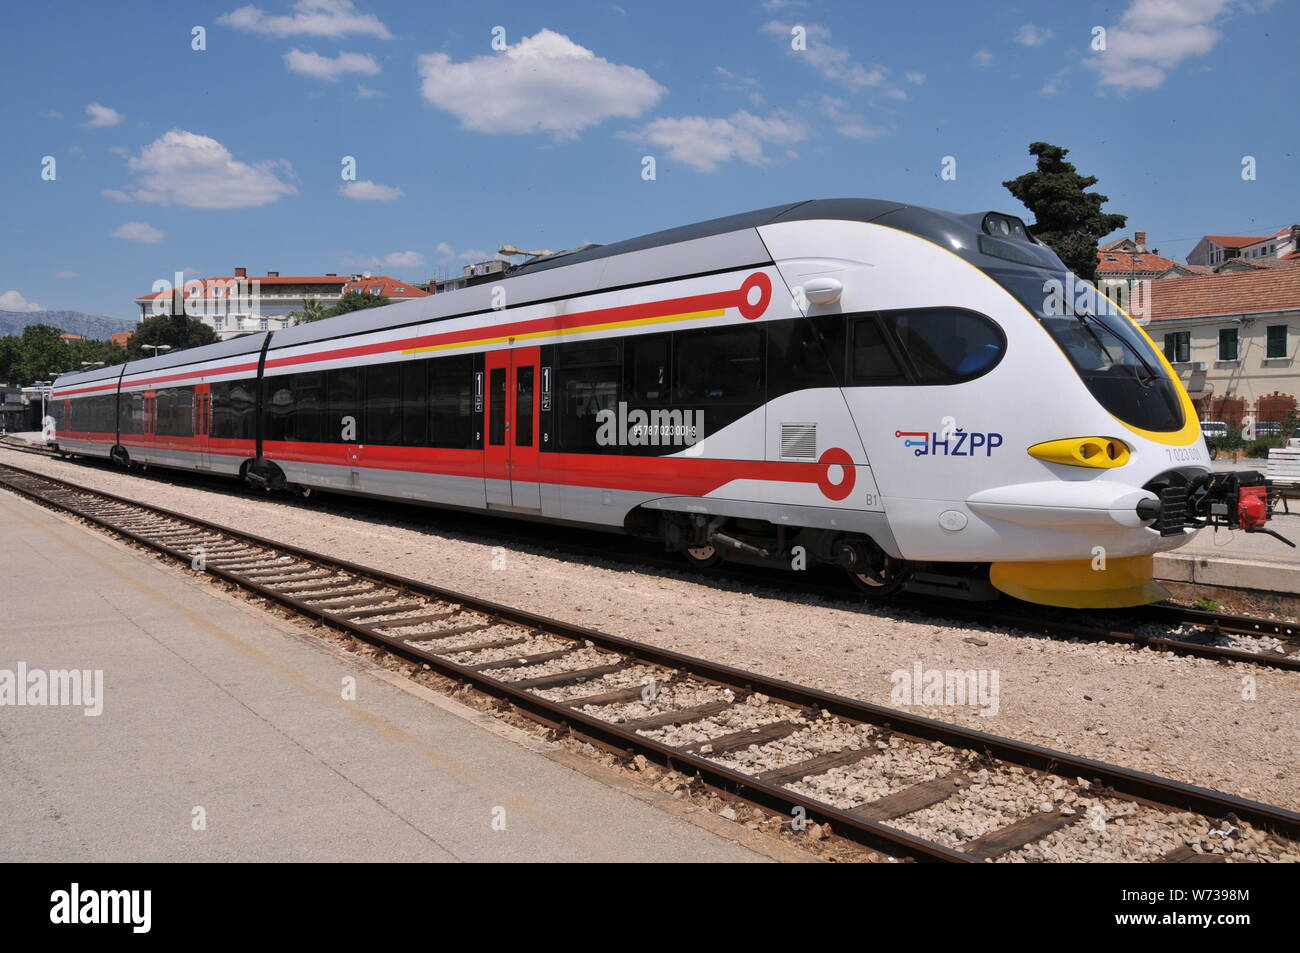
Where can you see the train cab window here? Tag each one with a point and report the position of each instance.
(343, 406)
(719, 365)
(383, 404)
(872, 357)
(946, 345)
(451, 402)
(799, 354)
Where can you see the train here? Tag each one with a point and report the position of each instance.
(928, 400)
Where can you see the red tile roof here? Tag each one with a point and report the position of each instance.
(1242, 292)
(345, 283)
(1130, 261)
(1238, 241)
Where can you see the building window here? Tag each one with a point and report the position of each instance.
(219, 323)
(262, 324)
(1227, 344)
(1178, 347)
(1276, 341)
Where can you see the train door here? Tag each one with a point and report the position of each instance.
(511, 465)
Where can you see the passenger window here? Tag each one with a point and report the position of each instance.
(719, 365)
(383, 404)
(342, 388)
(646, 371)
(451, 402)
(415, 403)
(588, 376)
(946, 345)
(308, 407)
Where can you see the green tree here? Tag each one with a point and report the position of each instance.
(1067, 217)
(9, 351)
(42, 354)
(355, 301)
(177, 331)
(312, 310)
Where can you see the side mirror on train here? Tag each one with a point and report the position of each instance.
(823, 290)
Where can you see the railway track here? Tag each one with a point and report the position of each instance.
(1167, 628)
(902, 785)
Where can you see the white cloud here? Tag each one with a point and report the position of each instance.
(65, 274)
(847, 122)
(469, 254)
(184, 168)
(833, 62)
(101, 116)
(13, 301)
(52, 114)
(365, 92)
(704, 143)
(117, 195)
(1154, 36)
(327, 68)
(368, 191)
(982, 58)
(331, 18)
(138, 232)
(917, 79)
(1055, 83)
(544, 83)
(1030, 35)
(397, 259)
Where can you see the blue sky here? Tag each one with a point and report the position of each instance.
(168, 158)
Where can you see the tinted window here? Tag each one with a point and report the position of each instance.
(233, 410)
(277, 404)
(647, 369)
(872, 356)
(451, 402)
(176, 412)
(415, 403)
(383, 404)
(524, 406)
(588, 376)
(342, 400)
(798, 357)
(719, 365)
(308, 406)
(497, 406)
(946, 345)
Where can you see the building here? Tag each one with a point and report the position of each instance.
(121, 338)
(13, 409)
(1233, 338)
(1125, 260)
(242, 303)
(1216, 249)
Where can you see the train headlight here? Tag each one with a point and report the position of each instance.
(1102, 453)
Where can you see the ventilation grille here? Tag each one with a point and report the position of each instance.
(799, 441)
(1173, 511)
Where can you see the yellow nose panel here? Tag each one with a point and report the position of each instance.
(1075, 584)
(1103, 453)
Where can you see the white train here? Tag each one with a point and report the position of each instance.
(911, 394)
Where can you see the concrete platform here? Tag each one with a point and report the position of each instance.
(213, 707)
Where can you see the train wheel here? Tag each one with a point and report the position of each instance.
(884, 575)
(702, 557)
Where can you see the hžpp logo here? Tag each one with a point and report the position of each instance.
(952, 443)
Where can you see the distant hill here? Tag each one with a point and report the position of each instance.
(96, 326)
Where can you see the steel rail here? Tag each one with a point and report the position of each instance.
(1124, 782)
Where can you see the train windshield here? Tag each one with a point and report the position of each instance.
(1114, 359)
